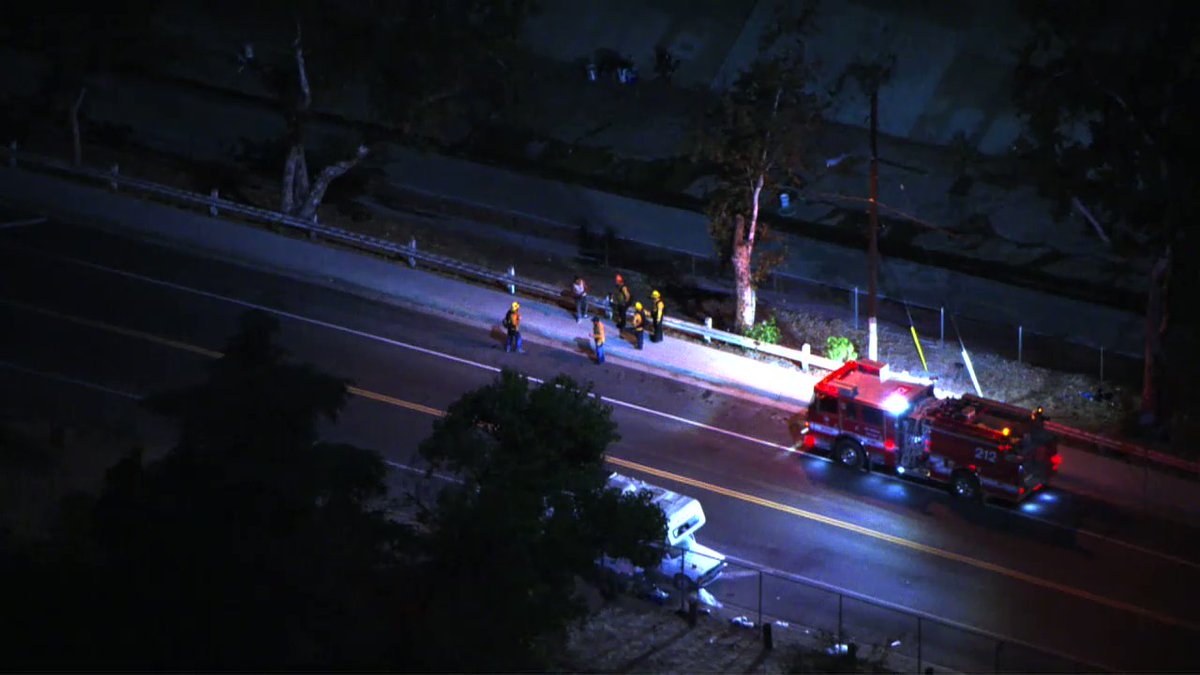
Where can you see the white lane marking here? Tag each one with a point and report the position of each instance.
(494, 369)
(22, 223)
(277, 312)
(732, 574)
(404, 345)
(413, 469)
(69, 380)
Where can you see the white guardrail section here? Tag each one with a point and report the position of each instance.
(509, 279)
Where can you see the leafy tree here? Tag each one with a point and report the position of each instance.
(504, 548)
(1106, 96)
(754, 139)
(251, 544)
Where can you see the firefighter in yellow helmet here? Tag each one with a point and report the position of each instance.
(639, 325)
(512, 324)
(657, 307)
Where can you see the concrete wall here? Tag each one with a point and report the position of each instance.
(953, 58)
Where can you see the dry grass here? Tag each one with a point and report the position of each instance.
(999, 378)
(636, 636)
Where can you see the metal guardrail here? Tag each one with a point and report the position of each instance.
(215, 204)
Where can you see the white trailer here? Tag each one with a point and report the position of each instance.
(686, 563)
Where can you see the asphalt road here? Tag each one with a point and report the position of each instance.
(94, 321)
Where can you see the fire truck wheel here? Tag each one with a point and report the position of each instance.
(849, 454)
(965, 485)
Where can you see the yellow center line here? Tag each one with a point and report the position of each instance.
(384, 398)
(100, 325)
(212, 354)
(685, 480)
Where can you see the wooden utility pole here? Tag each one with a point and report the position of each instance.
(873, 236)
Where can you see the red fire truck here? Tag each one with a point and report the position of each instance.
(981, 448)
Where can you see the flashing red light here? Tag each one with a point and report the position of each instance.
(1020, 491)
(1055, 461)
(889, 444)
(810, 441)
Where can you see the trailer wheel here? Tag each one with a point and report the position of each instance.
(965, 485)
(849, 454)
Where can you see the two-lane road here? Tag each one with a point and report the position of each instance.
(132, 318)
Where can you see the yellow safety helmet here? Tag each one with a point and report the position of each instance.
(655, 295)
(637, 305)
(516, 305)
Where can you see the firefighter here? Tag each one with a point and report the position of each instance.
(598, 336)
(620, 302)
(656, 316)
(639, 325)
(512, 324)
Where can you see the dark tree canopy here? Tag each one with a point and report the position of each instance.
(1108, 97)
(417, 59)
(531, 515)
(251, 544)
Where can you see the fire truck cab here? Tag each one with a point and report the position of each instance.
(981, 448)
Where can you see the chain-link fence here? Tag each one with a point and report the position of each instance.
(788, 609)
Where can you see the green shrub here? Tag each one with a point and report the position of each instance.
(840, 349)
(766, 332)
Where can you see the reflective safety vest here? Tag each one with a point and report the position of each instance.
(598, 333)
(512, 320)
(659, 307)
(638, 320)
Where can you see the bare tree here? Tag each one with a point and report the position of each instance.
(75, 138)
(755, 140)
(300, 194)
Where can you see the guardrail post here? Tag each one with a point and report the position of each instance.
(12, 153)
(707, 326)
(682, 585)
(855, 303)
(1020, 341)
(839, 630)
(412, 252)
(942, 326)
(806, 350)
(512, 275)
(212, 208)
(115, 172)
(918, 643)
(760, 584)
